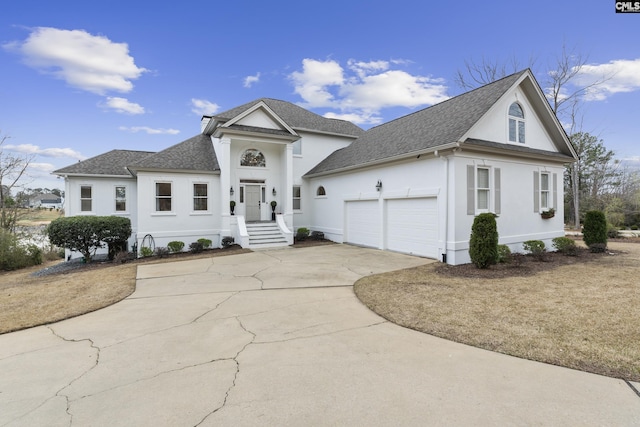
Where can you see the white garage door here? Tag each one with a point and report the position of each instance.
(412, 226)
(363, 223)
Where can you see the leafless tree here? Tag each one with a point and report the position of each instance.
(564, 95)
(12, 169)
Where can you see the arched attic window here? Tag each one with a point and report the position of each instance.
(516, 123)
(320, 191)
(253, 158)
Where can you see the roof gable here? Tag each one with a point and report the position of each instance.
(193, 154)
(292, 117)
(443, 124)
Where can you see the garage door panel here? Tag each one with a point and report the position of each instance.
(412, 226)
(363, 223)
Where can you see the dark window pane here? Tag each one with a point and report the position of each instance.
(85, 205)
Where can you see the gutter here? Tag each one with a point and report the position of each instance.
(404, 156)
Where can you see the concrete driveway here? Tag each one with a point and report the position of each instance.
(278, 338)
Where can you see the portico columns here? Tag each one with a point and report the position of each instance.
(224, 158)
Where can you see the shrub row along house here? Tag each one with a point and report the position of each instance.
(412, 185)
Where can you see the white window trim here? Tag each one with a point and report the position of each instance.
(82, 199)
(489, 189)
(126, 200)
(517, 121)
(193, 197)
(293, 197)
(155, 199)
(547, 191)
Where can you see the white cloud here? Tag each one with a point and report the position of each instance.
(250, 80)
(362, 117)
(150, 131)
(122, 105)
(364, 88)
(313, 82)
(618, 76)
(202, 107)
(41, 167)
(85, 61)
(46, 152)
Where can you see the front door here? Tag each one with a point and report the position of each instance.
(252, 202)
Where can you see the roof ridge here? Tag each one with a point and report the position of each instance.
(450, 99)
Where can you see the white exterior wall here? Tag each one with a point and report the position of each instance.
(517, 222)
(314, 148)
(182, 223)
(271, 174)
(424, 177)
(495, 124)
(102, 203)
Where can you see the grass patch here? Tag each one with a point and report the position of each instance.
(29, 301)
(579, 312)
(31, 217)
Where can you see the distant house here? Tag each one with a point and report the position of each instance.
(49, 201)
(412, 185)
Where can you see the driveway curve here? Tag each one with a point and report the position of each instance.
(278, 337)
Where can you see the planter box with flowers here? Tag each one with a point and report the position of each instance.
(550, 213)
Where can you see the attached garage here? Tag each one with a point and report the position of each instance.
(362, 223)
(412, 226)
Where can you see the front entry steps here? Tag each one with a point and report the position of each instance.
(265, 235)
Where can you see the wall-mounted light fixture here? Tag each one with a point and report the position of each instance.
(379, 185)
(274, 192)
(231, 191)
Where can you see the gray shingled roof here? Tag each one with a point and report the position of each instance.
(110, 163)
(195, 154)
(296, 117)
(431, 127)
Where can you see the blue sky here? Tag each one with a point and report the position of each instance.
(79, 78)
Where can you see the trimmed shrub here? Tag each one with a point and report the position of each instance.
(483, 243)
(206, 243)
(162, 252)
(146, 251)
(565, 246)
(175, 246)
(317, 235)
(302, 233)
(196, 247)
(536, 248)
(504, 254)
(227, 241)
(594, 229)
(86, 234)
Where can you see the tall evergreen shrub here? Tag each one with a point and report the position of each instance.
(483, 244)
(594, 230)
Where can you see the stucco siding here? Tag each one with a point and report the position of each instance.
(182, 222)
(103, 201)
(414, 179)
(495, 124)
(517, 220)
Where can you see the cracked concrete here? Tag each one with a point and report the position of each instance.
(278, 338)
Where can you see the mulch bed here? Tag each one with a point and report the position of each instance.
(520, 265)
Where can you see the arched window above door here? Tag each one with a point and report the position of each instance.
(253, 158)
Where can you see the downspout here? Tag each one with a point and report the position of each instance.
(445, 159)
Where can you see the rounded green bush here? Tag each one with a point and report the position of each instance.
(175, 246)
(483, 244)
(565, 245)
